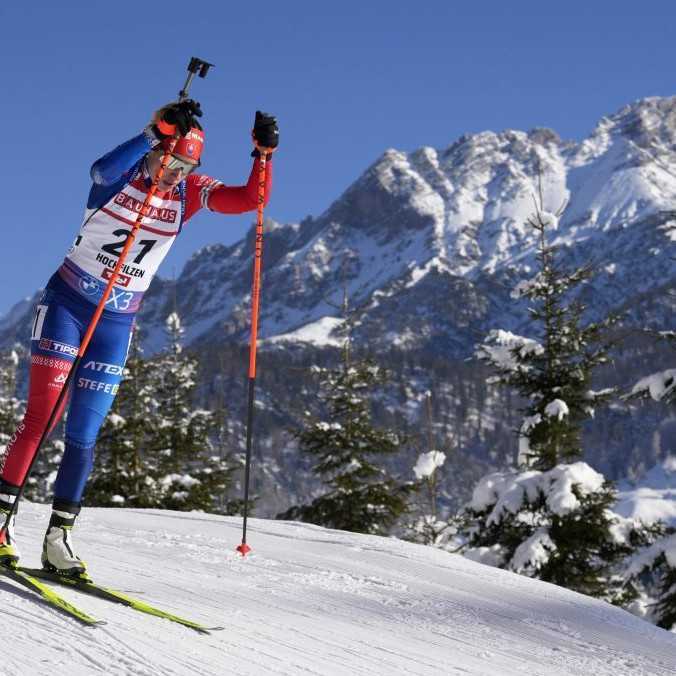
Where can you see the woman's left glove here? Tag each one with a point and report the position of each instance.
(265, 132)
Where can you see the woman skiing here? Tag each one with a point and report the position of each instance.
(121, 181)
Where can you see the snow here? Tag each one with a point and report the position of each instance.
(317, 333)
(507, 490)
(529, 422)
(658, 385)
(547, 218)
(527, 286)
(184, 480)
(557, 409)
(308, 600)
(324, 426)
(533, 552)
(115, 420)
(500, 347)
(427, 463)
(652, 497)
(489, 556)
(666, 546)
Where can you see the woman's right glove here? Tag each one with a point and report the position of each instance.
(176, 117)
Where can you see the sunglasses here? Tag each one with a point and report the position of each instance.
(184, 167)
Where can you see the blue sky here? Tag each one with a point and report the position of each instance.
(347, 80)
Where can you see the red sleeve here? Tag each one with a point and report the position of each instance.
(204, 191)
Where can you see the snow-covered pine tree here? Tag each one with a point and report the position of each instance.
(223, 441)
(552, 371)
(362, 496)
(154, 449)
(665, 565)
(552, 521)
(651, 577)
(557, 526)
(189, 475)
(653, 572)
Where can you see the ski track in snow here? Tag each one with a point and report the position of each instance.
(308, 601)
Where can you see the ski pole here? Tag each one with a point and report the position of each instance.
(196, 66)
(244, 548)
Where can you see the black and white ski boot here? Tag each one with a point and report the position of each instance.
(58, 554)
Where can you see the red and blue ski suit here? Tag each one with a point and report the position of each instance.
(120, 185)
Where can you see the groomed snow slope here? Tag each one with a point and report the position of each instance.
(309, 601)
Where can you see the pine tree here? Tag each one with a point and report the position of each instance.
(189, 474)
(552, 520)
(665, 609)
(123, 474)
(553, 372)
(155, 448)
(656, 576)
(361, 495)
(557, 526)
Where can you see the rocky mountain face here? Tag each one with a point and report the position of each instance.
(427, 246)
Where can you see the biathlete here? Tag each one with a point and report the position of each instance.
(121, 181)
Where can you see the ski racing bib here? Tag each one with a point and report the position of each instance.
(89, 263)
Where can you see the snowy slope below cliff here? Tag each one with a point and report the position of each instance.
(314, 601)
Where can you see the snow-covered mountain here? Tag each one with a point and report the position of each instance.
(309, 600)
(430, 243)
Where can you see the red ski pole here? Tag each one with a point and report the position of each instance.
(196, 66)
(244, 548)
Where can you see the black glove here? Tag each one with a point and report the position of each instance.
(182, 115)
(265, 132)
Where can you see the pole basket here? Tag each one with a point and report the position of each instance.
(244, 549)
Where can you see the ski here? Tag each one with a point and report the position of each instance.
(87, 586)
(48, 595)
